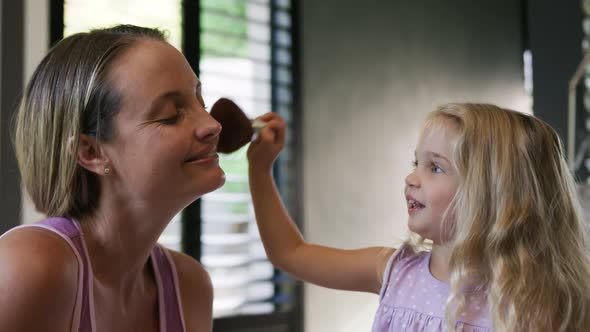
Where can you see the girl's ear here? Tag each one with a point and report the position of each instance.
(91, 156)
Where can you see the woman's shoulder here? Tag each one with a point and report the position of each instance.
(39, 279)
(189, 269)
(36, 247)
(196, 289)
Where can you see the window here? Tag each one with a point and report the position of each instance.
(242, 50)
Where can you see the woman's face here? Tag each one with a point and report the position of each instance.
(164, 145)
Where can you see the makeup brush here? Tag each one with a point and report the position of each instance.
(236, 128)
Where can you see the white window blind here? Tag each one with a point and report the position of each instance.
(237, 62)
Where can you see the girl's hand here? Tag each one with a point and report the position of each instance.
(269, 142)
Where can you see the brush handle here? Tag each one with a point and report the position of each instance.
(257, 125)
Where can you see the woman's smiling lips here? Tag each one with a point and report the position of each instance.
(204, 157)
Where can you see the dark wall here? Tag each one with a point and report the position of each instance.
(11, 82)
(555, 39)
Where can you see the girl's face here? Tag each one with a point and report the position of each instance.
(432, 184)
(164, 145)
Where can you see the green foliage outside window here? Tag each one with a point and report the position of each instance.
(225, 28)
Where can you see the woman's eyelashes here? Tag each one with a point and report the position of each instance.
(170, 121)
(180, 110)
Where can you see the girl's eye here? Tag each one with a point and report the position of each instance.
(414, 164)
(435, 168)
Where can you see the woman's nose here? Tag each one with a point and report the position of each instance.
(207, 128)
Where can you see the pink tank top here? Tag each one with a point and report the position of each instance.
(171, 318)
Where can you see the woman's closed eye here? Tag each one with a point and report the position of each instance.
(170, 120)
(175, 118)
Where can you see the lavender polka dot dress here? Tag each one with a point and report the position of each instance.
(411, 299)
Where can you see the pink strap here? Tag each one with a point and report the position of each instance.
(170, 302)
(68, 230)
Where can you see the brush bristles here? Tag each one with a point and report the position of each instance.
(236, 128)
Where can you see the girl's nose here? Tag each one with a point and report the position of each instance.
(207, 128)
(412, 180)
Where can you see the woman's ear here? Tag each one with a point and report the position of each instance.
(91, 156)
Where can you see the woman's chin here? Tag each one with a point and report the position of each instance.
(220, 179)
(213, 183)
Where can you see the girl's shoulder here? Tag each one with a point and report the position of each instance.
(407, 257)
(406, 266)
(413, 299)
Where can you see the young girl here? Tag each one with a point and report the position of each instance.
(492, 193)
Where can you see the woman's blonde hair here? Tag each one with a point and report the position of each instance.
(69, 94)
(515, 224)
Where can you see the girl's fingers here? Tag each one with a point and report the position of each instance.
(280, 133)
(268, 116)
(267, 134)
(272, 119)
(274, 129)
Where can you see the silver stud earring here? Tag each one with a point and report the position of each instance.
(107, 170)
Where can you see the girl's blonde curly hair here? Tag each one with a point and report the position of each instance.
(515, 225)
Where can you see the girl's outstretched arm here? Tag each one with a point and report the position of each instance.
(357, 270)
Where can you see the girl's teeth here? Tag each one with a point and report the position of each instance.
(413, 204)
